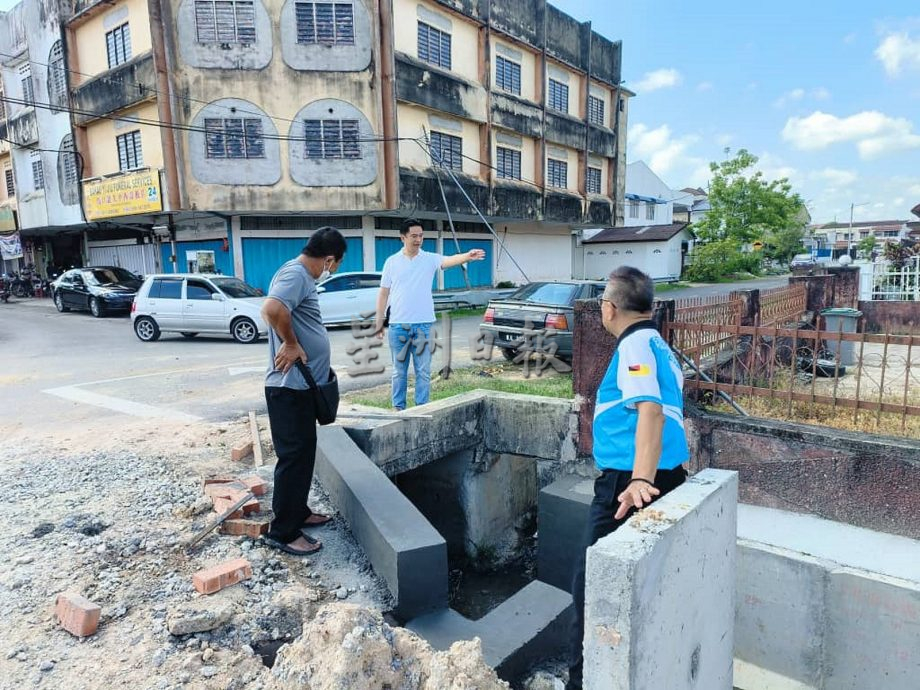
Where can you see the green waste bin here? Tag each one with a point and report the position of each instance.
(841, 320)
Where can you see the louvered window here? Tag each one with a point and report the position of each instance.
(507, 75)
(447, 148)
(433, 45)
(10, 184)
(558, 96)
(38, 173)
(118, 45)
(28, 93)
(596, 110)
(68, 161)
(594, 180)
(130, 154)
(325, 22)
(331, 139)
(2, 106)
(234, 138)
(558, 173)
(57, 77)
(508, 163)
(225, 21)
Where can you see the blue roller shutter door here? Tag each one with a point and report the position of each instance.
(480, 271)
(262, 257)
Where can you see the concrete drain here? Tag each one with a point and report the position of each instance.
(446, 511)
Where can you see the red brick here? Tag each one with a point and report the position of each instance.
(223, 575)
(219, 479)
(77, 615)
(256, 485)
(225, 489)
(224, 503)
(241, 451)
(253, 528)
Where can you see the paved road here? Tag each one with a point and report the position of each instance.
(723, 288)
(58, 370)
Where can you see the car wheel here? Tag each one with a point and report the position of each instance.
(509, 353)
(188, 334)
(146, 329)
(59, 302)
(95, 307)
(244, 331)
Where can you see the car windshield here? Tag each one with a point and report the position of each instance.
(104, 276)
(547, 293)
(234, 287)
(802, 257)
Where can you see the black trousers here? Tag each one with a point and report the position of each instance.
(292, 416)
(601, 523)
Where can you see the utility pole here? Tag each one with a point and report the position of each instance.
(850, 233)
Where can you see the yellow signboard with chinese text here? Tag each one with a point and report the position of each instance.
(125, 195)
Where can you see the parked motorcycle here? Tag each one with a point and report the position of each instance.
(4, 289)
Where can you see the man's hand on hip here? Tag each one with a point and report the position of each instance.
(637, 495)
(287, 356)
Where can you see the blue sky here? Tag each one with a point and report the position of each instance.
(824, 93)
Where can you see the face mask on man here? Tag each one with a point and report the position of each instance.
(327, 266)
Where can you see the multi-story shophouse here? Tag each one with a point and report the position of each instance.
(221, 132)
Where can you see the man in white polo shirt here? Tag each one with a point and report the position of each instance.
(406, 287)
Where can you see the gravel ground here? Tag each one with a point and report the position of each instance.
(106, 516)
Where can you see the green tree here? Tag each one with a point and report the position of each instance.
(782, 245)
(744, 206)
(866, 246)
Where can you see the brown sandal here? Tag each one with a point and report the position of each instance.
(316, 519)
(314, 546)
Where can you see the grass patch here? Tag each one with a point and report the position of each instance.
(458, 313)
(503, 377)
(667, 287)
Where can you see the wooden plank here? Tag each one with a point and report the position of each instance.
(256, 441)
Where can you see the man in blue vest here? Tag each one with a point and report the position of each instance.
(639, 441)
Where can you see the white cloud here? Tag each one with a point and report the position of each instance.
(850, 38)
(775, 168)
(874, 133)
(659, 79)
(724, 140)
(819, 94)
(705, 86)
(658, 147)
(897, 51)
(914, 189)
(836, 177)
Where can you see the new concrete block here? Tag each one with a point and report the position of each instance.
(660, 591)
(401, 545)
(533, 624)
(562, 518)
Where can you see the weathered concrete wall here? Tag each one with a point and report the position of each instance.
(659, 593)
(898, 318)
(824, 605)
(861, 479)
(593, 349)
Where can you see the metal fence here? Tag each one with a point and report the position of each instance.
(883, 281)
(798, 374)
(783, 305)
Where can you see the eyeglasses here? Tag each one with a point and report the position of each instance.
(604, 299)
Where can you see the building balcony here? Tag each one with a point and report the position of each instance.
(517, 114)
(426, 85)
(21, 129)
(112, 91)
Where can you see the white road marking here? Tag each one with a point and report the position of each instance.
(120, 404)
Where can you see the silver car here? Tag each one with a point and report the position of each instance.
(194, 303)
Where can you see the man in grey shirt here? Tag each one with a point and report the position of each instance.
(297, 334)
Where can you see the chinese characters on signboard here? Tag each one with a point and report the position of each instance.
(125, 195)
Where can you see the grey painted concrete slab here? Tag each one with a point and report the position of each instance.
(530, 425)
(400, 543)
(659, 595)
(562, 516)
(824, 605)
(532, 624)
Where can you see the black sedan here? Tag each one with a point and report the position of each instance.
(100, 290)
(537, 310)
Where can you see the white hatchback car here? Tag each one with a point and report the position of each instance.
(193, 303)
(346, 297)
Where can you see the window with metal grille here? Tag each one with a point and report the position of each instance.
(433, 45)
(68, 161)
(447, 149)
(28, 93)
(594, 180)
(557, 173)
(2, 106)
(507, 75)
(558, 96)
(38, 174)
(130, 154)
(331, 139)
(596, 110)
(10, 183)
(329, 23)
(225, 21)
(508, 162)
(650, 210)
(118, 45)
(57, 78)
(234, 138)
(633, 209)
